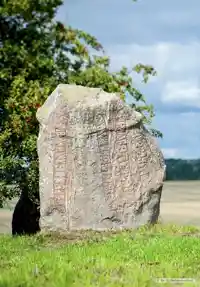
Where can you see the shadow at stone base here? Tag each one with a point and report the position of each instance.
(26, 215)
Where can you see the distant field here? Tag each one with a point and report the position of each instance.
(180, 204)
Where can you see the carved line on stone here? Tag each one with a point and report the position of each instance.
(106, 179)
(150, 153)
(148, 143)
(148, 156)
(127, 161)
(159, 159)
(140, 162)
(114, 111)
(69, 165)
(59, 183)
(139, 143)
(125, 176)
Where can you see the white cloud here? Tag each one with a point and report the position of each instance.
(157, 55)
(169, 152)
(183, 153)
(170, 59)
(177, 65)
(185, 92)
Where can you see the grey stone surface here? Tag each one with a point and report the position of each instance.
(99, 167)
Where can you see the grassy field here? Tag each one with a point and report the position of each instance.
(130, 258)
(139, 258)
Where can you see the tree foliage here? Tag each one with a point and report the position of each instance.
(36, 54)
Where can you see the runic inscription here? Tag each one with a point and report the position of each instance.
(104, 152)
(59, 162)
(122, 158)
(99, 169)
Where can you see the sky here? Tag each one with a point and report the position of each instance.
(164, 34)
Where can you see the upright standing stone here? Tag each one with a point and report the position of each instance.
(99, 167)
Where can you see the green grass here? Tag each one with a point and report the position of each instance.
(128, 258)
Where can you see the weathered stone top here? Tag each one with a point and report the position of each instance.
(79, 98)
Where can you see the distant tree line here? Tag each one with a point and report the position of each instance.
(181, 169)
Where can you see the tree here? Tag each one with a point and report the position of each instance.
(182, 169)
(36, 54)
